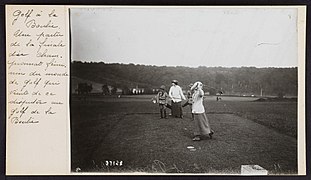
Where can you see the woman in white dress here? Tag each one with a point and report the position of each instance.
(177, 96)
(201, 124)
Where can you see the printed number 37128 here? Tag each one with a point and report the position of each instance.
(114, 163)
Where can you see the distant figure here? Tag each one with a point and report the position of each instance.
(202, 126)
(177, 96)
(189, 98)
(218, 98)
(162, 99)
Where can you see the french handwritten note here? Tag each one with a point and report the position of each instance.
(37, 85)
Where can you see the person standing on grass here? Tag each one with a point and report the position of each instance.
(177, 96)
(162, 99)
(201, 124)
(189, 99)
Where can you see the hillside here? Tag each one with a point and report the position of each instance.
(244, 80)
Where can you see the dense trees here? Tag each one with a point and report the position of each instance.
(238, 81)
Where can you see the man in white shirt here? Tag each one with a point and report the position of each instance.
(177, 96)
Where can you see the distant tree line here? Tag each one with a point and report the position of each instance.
(236, 81)
(84, 88)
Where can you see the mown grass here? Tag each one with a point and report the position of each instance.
(280, 116)
(131, 131)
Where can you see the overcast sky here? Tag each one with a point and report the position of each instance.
(186, 36)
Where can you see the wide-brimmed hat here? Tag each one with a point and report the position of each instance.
(162, 87)
(175, 81)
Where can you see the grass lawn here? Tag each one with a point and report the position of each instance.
(127, 130)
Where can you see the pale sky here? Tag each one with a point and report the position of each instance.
(192, 36)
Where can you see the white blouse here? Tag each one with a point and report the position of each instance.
(197, 97)
(176, 94)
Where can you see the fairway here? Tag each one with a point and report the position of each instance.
(129, 129)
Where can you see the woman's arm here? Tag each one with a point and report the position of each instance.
(201, 93)
(182, 94)
(170, 94)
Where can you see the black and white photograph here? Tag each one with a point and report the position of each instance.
(184, 90)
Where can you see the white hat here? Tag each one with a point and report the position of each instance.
(197, 85)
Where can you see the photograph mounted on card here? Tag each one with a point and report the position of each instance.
(155, 90)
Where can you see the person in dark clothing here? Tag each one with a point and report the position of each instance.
(162, 99)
